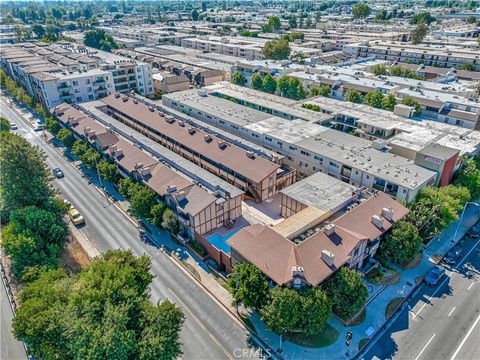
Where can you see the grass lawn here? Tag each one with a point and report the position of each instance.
(362, 343)
(325, 338)
(412, 263)
(392, 305)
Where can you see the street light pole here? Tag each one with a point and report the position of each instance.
(101, 184)
(461, 217)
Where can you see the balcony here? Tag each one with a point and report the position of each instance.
(66, 94)
(99, 81)
(120, 80)
(63, 86)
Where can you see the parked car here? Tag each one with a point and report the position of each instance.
(434, 276)
(453, 256)
(58, 173)
(75, 216)
(38, 127)
(13, 126)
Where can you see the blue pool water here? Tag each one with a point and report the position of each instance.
(220, 242)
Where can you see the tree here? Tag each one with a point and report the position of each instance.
(90, 158)
(379, 69)
(79, 148)
(469, 177)
(381, 15)
(156, 214)
(142, 202)
(249, 286)
(361, 11)
(374, 99)
(295, 89)
(424, 17)
(402, 244)
(295, 35)
(471, 20)
(347, 292)
(256, 81)
(24, 175)
(104, 312)
(274, 23)
(283, 312)
(276, 50)
(5, 125)
(353, 96)
(389, 102)
(419, 33)
(269, 84)
(467, 67)
(435, 209)
(239, 78)
(99, 39)
(38, 30)
(66, 137)
(52, 125)
(129, 187)
(292, 22)
(316, 309)
(283, 85)
(108, 171)
(195, 15)
(410, 101)
(169, 221)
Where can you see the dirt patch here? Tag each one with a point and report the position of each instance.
(359, 319)
(191, 270)
(73, 258)
(392, 306)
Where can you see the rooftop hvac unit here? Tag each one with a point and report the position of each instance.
(125, 99)
(169, 119)
(191, 130)
(250, 155)
(135, 101)
(181, 123)
(207, 138)
(222, 144)
(151, 109)
(117, 95)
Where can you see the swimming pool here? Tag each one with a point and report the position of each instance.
(220, 241)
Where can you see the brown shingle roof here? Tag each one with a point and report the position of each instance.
(232, 156)
(275, 255)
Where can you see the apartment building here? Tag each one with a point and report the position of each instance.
(260, 177)
(446, 56)
(52, 74)
(349, 240)
(147, 35)
(308, 146)
(202, 202)
(66, 72)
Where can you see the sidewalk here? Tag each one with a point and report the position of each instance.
(379, 299)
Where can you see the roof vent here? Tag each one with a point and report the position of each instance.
(207, 138)
(191, 130)
(387, 213)
(222, 144)
(377, 221)
(329, 229)
(138, 165)
(328, 257)
(250, 154)
(297, 271)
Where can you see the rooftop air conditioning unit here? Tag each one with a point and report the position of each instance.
(191, 130)
(207, 138)
(329, 229)
(222, 144)
(328, 257)
(117, 95)
(169, 119)
(250, 154)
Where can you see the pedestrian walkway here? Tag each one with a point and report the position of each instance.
(379, 299)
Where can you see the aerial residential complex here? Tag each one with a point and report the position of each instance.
(240, 179)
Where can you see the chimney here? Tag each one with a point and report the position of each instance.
(329, 229)
(145, 172)
(138, 165)
(387, 213)
(297, 271)
(328, 257)
(377, 221)
(86, 130)
(180, 195)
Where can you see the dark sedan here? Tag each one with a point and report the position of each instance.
(453, 256)
(58, 173)
(434, 276)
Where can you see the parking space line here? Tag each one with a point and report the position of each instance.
(421, 352)
(451, 311)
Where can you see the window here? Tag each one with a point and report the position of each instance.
(304, 153)
(302, 164)
(75, 83)
(90, 97)
(317, 169)
(355, 253)
(292, 148)
(332, 164)
(88, 81)
(221, 122)
(268, 138)
(318, 158)
(280, 143)
(79, 98)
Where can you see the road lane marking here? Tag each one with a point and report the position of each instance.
(443, 282)
(201, 325)
(471, 285)
(451, 311)
(421, 352)
(465, 338)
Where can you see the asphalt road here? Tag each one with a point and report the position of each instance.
(208, 332)
(10, 348)
(441, 322)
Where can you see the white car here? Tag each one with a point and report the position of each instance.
(13, 126)
(38, 127)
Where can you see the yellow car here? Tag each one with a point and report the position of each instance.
(75, 216)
